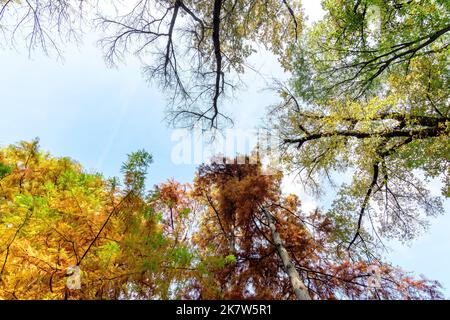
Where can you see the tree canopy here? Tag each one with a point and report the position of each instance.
(55, 216)
(369, 95)
(368, 99)
(209, 240)
(194, 49)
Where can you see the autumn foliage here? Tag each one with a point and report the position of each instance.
(209, 240)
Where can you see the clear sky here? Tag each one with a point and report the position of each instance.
(82, 109)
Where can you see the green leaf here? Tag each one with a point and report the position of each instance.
(4, 170)
(230, 259)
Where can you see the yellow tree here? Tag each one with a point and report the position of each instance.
(54, 216)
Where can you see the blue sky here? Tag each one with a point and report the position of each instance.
(96, 115)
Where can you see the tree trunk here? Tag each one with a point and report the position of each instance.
(300, 290)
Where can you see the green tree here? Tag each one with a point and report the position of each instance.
(370, 94)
